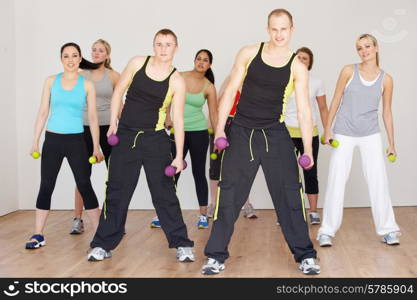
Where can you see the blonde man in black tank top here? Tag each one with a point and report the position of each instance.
(258, 137)
(152, 83)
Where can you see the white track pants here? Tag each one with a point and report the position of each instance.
(373, 165)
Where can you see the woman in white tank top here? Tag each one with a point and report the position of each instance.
(361, 86)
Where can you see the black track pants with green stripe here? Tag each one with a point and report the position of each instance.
(152, 150)
(272, 149)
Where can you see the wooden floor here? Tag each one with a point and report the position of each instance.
(258, 249)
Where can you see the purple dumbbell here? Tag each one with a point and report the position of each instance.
(221, 143)
(304, 161)
(113, 140)
(171, 170)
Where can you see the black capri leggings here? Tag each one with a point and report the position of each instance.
(197, 143)
(104, 145)
(55, 148)
(310, 176)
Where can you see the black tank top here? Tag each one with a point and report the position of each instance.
(265, 91)
(146, 102)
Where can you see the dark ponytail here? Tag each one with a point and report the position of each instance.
(84, 64)
(209, 73)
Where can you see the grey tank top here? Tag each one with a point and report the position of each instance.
(104, 92)
(358, 113)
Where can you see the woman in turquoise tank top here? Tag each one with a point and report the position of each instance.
(63, 99)
(200, 89)
(104, 79)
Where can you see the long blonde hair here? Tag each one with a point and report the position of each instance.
(106, 45)
(374, 41)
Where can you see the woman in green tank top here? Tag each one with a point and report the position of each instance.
(200, 90)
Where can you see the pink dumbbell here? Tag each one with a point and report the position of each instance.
(221, 143)
(171, 170)
(304, 161)
(113, 140)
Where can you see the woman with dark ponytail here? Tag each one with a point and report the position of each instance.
(63, 99)
(200, 88)
(105, 80)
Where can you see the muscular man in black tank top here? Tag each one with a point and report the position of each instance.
(258, 136)
(152, 84)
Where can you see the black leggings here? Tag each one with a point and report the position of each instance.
(55, 148)
(214, 170)
(310, 176)
(104, 145)
(197, 142)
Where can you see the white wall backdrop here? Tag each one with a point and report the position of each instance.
(8, 157)
(329, 28)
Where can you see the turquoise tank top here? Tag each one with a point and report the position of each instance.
(194, 118)
(66, 107)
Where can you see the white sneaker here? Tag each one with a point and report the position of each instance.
(77, 226)
(249, 211)
(98, 254)
(391, 238)
(212, 267)
(325, 240)
(314, 218)
(185, 254)
(309, 266)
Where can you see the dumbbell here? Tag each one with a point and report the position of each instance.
(92, 160)
(171, 170)
(392, 158)
(113, 140)
(36, 155)
(333, 143)
(304, 161)
(221, 143)
(214, 155)
(210, 131)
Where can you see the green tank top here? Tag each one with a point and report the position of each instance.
(194, 118)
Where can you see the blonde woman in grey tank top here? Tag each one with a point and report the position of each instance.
(355, 105)
(104, 79)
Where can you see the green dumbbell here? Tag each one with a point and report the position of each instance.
(92, 160)
(36, 155)
(213, 156)
(333, 143)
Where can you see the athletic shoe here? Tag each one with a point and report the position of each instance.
(155, 223)
(77, 226)
(212, 267)
(309, 266)
(39, 241)
(249, 211)
(314, 218)
(185, 254)
(202, 222)
(391, 238)
(278, 223)
(325, 240)
(210, 211)
(98, 254)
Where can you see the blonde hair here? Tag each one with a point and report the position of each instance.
(374, 41)
(106, 45)
(278, 12)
